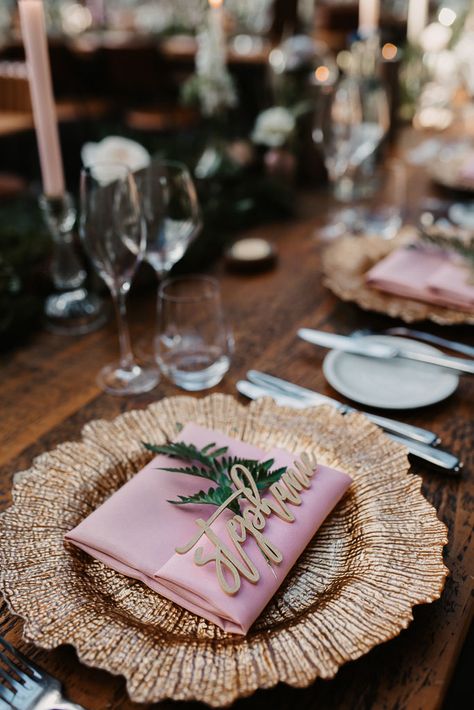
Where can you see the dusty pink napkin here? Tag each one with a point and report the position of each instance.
(425, 276)
(136, 532)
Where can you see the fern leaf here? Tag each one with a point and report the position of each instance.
(192, 471)
(205, 449)
(213, 496)
(214, 466)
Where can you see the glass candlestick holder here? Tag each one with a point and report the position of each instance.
(72, 309)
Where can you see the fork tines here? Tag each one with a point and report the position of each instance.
(16, 672)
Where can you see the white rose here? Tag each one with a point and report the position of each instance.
(115, 149)
(273, 127)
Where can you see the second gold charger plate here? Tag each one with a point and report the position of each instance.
(376, 556)
(348, 259)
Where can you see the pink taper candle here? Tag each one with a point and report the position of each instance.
(33, 30)
(369, 13)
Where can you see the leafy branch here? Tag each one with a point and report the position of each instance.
(212, 463)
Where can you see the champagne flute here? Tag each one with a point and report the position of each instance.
(112, 231)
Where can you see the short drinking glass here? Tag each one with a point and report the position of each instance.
(193, 346)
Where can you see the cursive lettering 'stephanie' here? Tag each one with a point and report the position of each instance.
(234, 563)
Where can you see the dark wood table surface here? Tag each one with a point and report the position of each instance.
(48, 392)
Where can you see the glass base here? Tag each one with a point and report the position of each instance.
(118, 380)
(194, 371)
(74, 312)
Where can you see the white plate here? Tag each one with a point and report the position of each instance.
(389, 384)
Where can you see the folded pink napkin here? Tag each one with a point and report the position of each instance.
(425, 276)
(137, 530)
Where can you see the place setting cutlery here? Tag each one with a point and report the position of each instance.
(420, 443)
(360, 346)
(419, 335)
(387, 371)
(26, 686)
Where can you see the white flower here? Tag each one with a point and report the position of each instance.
(273, 127)
(115, 149)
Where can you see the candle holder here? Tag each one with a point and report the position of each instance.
(72, 310)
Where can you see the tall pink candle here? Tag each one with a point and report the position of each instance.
(33, 30)
(369, 13)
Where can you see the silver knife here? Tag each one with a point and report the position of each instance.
(360, 346)
(289, 389)
(441, 459)
(433, 339)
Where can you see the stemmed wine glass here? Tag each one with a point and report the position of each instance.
(112, 231)
(171, 215)
(170, 210)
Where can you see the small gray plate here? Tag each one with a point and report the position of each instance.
(389, 384)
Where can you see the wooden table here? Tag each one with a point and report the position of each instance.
(49, 393)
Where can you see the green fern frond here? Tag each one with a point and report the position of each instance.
(213, 496)
(216, 467)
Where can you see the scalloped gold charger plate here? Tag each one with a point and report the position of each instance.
(376, 556)
(345, 263)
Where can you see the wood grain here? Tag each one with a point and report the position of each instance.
(49, 392)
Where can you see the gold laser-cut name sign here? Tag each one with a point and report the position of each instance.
(232, 565)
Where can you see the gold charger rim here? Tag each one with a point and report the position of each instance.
(266, 647)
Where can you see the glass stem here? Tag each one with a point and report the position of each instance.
(126, 355)
(160, 275)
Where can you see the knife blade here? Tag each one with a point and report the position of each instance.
(390, 425)
(438, 458)
(359, 346)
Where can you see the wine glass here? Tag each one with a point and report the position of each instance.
(111, 229)
(170, 210)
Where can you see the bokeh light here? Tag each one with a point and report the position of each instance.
(389, 52)
(321, 74)
(447, 16)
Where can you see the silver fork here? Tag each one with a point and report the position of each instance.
(26, 686)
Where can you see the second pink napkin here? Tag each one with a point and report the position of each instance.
(424, 276)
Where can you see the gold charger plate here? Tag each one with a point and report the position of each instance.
(345, 263)
(376, 556)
